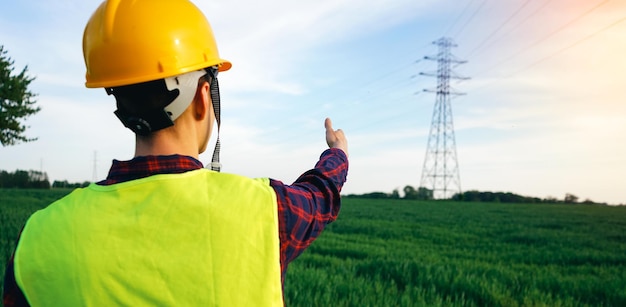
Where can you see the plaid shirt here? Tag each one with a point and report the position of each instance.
(304, 208)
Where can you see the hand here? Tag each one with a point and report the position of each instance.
(335, 138)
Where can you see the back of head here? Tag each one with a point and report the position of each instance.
(147, 53)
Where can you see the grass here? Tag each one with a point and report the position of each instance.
(412, 253)
(16, 205)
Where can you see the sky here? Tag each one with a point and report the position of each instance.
(543, 112)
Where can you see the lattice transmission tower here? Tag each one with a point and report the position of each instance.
(440, 172)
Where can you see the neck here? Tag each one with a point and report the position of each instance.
(166, 142)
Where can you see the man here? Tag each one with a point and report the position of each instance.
(161, 230)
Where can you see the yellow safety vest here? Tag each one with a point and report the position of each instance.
(199, 238)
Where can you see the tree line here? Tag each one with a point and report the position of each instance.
(31, 179)
(422, 193)
(21, 179)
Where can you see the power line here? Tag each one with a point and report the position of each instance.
(517, 25)
(541, 60)
(568, 46)
(374, 109)
(375, 91)
(469, 4)
(471, 18)
(355, 95)
(559, 29)
(499, 28)
(381, 91)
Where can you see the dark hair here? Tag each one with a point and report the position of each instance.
(146, 97)
(141, 106)
(143, 97)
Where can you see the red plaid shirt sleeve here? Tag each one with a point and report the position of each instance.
(309, 204)
(12, 294)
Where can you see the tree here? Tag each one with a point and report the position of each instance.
(395, 194)
(421, 193)
(16, 102)
(425, 194)
(24, 179)
(570, 198)
(409, 192)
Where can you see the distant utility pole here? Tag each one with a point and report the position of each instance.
(440, 172)
(95, 166)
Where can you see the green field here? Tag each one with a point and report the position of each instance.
(412, 253)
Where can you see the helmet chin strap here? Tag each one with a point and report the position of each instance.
(177, 107)
(215, 98)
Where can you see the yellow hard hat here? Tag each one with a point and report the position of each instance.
(127, 42)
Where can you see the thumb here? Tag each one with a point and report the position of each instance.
(335, 138)
(328, 124)
(331, 135)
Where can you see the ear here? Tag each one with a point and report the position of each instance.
(202, 102)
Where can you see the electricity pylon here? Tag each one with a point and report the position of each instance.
(440, 172)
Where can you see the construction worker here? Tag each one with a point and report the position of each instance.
(162, 230)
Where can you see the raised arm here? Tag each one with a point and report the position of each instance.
(313, 200)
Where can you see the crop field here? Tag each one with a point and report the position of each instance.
(414, 253)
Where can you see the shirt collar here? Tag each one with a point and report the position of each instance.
(144, 166)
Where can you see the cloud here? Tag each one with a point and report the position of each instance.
(267, 41)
